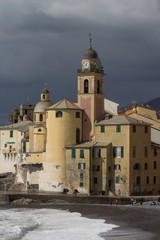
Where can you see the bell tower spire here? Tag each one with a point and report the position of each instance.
(90, 90)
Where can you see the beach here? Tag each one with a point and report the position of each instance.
(134, 222)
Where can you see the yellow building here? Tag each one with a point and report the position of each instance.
(84, 147)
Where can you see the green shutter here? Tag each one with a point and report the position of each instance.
(114, 152)
(102, 129)
(81, 175)
(79, 166)
(81, 153)
(122, 152)
(81, 184)
(117, 179)
(11, 133)
(24, 146)
(84, 166)
(118, 128)
(73, 153)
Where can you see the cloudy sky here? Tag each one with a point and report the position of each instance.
(44, 40)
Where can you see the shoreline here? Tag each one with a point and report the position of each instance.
(135, 222)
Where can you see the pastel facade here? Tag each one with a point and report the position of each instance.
(11, 137)
(86, 146)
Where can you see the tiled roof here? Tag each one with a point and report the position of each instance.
(64, 104)
(21, 126)
(154, 124)
(89, 144)
(121, 120)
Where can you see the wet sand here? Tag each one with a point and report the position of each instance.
(135, 222)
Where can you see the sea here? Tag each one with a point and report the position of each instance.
(48, 224)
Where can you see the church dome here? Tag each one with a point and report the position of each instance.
(45, 90)
(90, 53)
(41, 106)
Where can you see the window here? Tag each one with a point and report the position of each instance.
(96, 168)
(117, 179)
(81, 175)
(154, 179)
(155, 152)
(136, 166)
(154, 164)
(145, 166)
(77, 135)
(11, 133)
(97, 153)
(24, 146)
(102, 129)
(134, 128)
(41, 117)
(146, 129)
(109, 183)
(138, 180)
(118, 128)
(98, 86)
(134, 151)
(73, 153)
(95, 180)
(81, 153)
(39, 130)
(146, 151)
(58, 114)
(86, 86)
(25, 111)
(81, 184)
(81, 165)
(77, 114)
(118, 152)
(109, 168)
(43, 96)
(5, 145)
(116, 167)
(147, 180)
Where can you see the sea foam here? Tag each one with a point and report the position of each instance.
(48, 224)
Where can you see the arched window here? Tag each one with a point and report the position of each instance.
(98, 86)
(41, 117)
(58, 114)
(43, 96)
(77, 135)
(86, 86)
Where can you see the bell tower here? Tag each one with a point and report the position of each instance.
(90, 90)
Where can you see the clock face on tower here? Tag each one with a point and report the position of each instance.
(85, 64)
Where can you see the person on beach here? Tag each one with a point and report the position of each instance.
(141, 201)
(132, 200)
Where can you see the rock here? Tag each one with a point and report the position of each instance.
(22, 201)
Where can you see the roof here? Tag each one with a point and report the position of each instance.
(137, 105)
(121, 120)
(41, 106)
(89, 144)
(155, 124)
(64, 104)
(90, 53)
(45, 90)
(21, 126)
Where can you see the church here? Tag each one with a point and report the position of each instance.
(85, 145)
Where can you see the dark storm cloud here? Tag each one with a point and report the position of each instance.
(43, 41)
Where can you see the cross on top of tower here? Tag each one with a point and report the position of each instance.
(90, 39)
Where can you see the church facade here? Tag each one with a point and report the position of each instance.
(82, 146)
